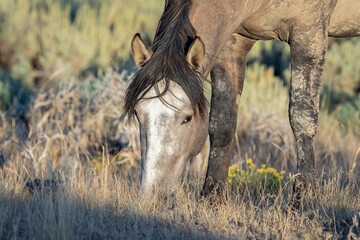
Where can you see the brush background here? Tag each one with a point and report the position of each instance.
(64, 67)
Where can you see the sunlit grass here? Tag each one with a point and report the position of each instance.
(101, 204)
(62, 124)
(72, 134)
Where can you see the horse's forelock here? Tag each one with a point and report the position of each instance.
(168, 62)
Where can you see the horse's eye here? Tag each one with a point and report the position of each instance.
(187, 119)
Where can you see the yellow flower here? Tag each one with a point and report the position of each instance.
(282, 173)
(263, 166)
(234, 168)
(276, 176)
(233, 172)
(251, 165)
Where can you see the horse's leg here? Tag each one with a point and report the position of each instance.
(307, 61)
(227, 77)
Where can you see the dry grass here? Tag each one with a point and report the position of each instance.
(69, 136)
(73, 136)
(103, 205)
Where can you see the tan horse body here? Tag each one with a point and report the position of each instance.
(214, 37)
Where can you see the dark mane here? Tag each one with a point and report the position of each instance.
(173, 36)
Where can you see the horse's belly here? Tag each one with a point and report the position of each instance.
(279, 30)
(270, 22)
(345, 20)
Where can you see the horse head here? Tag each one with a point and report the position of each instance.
(172, 130)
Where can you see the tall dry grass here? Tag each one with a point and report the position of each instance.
(72, 135)
(104, 205)
(65, 134)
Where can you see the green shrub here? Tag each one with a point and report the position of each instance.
(263, 91)
(341, 72)
(43, 40)
(273, 54)
(51, 35)
(348, 115)
(12, 89)
(262, 180)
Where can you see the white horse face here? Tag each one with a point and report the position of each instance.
(171, 134)
(170, 131)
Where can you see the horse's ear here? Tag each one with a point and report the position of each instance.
(140, 50)
(196, 53)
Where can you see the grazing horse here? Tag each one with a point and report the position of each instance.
(195, 38)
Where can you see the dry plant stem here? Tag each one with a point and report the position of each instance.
(304, 187)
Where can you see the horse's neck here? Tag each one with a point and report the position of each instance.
(215, 21)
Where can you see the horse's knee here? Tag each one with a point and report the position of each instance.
(222, 119)
(303, 119)
(302, 126)
(222, 131)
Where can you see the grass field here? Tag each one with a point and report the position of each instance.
(103, 205)
(61, 94)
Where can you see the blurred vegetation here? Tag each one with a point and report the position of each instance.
(62, 83)
(341, 83)
(47, 41)
(259, 181)
(269, 61)
(42, 40)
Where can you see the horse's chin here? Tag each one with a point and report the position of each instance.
(160, 190)
(158, 186)
(163, 176)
